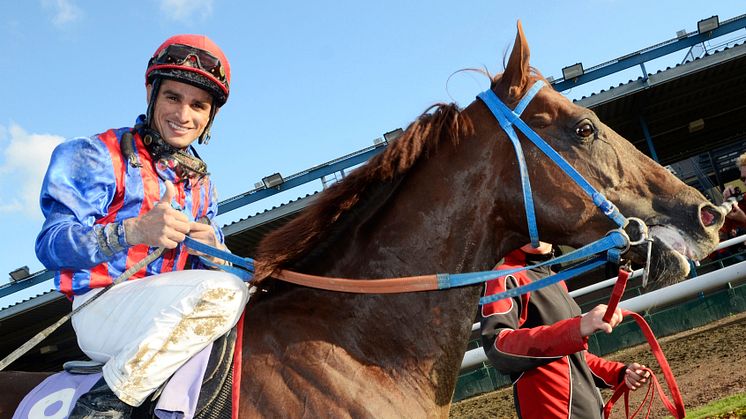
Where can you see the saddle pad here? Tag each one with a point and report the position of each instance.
(182, 397)
(55, 397)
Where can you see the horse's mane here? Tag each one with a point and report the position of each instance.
(288, 244)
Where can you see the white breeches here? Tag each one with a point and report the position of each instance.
(145, 329)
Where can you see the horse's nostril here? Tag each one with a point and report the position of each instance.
(710, 216)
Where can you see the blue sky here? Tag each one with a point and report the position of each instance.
(311, 80)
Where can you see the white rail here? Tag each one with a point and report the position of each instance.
(659, 297)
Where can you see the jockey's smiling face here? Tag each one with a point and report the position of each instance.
(181, 113)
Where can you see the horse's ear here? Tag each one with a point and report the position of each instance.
(517, 71)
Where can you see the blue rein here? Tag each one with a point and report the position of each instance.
(613, 244)
(237, 265)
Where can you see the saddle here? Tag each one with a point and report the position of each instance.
(56, 395)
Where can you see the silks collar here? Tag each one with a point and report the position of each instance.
(169, 162)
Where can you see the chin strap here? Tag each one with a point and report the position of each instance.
(204, 138)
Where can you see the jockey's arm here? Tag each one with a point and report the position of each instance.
(78, 187)
(77, 192)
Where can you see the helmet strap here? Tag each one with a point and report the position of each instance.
(204, 138)
(151, 103)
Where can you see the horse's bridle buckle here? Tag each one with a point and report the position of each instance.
(643, 238)
(636, 236)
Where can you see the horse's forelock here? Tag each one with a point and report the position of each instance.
(288, 244)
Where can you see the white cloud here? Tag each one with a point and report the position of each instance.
(184, 10)
(25, 160)
(64, 11)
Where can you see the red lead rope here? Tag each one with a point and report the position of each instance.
(677, 406)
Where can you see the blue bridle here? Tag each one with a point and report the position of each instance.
(613, 244)
(596, 254)
(512, 118)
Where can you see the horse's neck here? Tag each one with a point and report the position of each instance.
(399, 353)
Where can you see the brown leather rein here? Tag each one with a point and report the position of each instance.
(370, 286)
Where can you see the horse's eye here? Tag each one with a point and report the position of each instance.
(585, 130)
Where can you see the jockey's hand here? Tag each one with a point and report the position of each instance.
(204, 233)
(593, 320)
(635, 376)
(162, 226)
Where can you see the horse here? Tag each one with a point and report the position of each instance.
(443, 197)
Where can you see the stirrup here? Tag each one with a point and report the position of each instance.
(82, 367)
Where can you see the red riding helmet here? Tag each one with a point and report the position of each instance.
(192, 59)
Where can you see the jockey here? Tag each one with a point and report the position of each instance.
(541, 341)
(112, 199)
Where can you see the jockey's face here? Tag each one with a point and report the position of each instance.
(181, 113)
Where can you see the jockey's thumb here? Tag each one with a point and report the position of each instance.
(168, 196)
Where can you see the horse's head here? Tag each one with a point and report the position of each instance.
(682, 223)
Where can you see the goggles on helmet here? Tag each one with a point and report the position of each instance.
(184, 55)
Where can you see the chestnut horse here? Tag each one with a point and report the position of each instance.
(444, 197)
